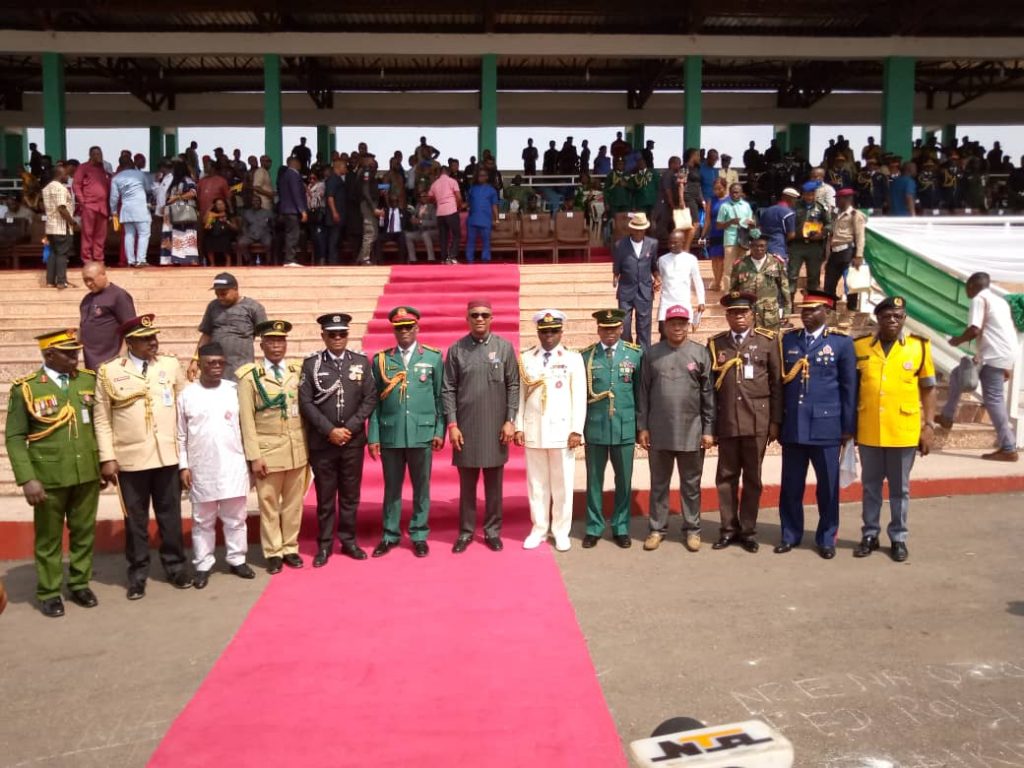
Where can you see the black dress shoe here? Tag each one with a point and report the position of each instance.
(899, 551)
(420, 548)
(461, 544)
(493, 543)
(623, 541)
(201, 579)
(84, 597)
(182, 579)
(292, 560)
(353, 551)
(826, 553)
(322, 556)
(243, 571)
(274, 565)
(782, 548)
(750, 545)
(384, 547)
(590, 541)
(52, 608)
(137, 591)
(867, 545)
(722, 543)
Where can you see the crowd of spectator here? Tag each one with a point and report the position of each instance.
(214, 208)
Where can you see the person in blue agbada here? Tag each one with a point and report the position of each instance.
(819, 370)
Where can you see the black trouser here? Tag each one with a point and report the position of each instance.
(397, 237)
(162, 486)
(338, 478)
(320, 234)
(57, 264)
(493, 477)
(449, 232)
(837, 264)
(291, 236)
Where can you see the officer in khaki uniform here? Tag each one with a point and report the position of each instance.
(275, 444)
(748, 406)
(764, 275)
(613, 378)
(406, 427)
(896, 396)
(136, 431)
(52, 447)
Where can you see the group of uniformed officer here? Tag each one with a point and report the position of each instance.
(800, 388)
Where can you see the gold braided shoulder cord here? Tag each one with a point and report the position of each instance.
(533, 384)
(399, 380)
(722, 369)
(800, 366)
(123, 402)
(65, 415)
(594, 397)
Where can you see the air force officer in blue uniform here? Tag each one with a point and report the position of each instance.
(819, 369)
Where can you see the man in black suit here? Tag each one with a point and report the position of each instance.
(635, 278)
(336, 397)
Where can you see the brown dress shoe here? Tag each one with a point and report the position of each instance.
(692, 542)
(1001, 455)
(653, 541)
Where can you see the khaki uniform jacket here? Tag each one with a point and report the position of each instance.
(268, 413)
(136, 417)
(747, 399)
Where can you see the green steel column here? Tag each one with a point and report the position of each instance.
(948, 135)
(325, 142)
(15, 152)
(636, 131)
(487, 138)
(693, 76)
(898, 105)
(273, 140)
(156, 146)
(782, 138)
(170, 142)
(54, 123)
(798, 137)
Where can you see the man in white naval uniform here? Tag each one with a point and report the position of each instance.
(550, 420)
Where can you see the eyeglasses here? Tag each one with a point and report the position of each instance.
(479, 315)
(337, 334)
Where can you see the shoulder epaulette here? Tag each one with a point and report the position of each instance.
(358, 354)
(168, 354)
(295, 366)
(245, 370)
(867, 335)
(836, 331)
(631, 345)
(430, 348)
(528, 349)
(768, 333)
(587, 348)
(314, 353)
(919, 337)
(23, 379)
(721, 335)
(789, 330)
(87, 370)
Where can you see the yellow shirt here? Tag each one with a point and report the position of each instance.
(889, 397)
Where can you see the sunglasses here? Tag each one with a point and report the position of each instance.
(479, 315)
(337, 334)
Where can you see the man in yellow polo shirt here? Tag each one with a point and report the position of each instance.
(895, 419)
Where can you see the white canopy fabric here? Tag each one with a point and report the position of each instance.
(962, 245)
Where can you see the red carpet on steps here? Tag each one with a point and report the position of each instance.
(452, 660)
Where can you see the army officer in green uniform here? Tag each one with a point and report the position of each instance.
(764, 275)
(406, 426)
(52, 447)
(613, 378)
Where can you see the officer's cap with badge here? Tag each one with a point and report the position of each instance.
(891, 302)
(549, 320)
(609, 318)
(817, 299)
(334, 321)
(139, 327)
(741, 300)
(400, 317)
(65, 339)
(273, 328)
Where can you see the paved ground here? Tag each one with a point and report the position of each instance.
(863, 664)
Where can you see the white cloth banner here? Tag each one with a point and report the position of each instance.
(962, 245)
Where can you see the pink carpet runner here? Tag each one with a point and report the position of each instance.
(472, 659)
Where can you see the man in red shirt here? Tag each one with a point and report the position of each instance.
(92, 193)
(210, 187)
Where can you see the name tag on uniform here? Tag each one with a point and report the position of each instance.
(168, 397)
(748, 371)
(85, 416)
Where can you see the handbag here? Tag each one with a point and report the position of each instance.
(743, 237)
(182, 211)
(968, 372)
(858, 279)
(681, 218)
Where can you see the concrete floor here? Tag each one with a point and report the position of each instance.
(862, 664)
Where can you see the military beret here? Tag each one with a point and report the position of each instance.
(890, 302)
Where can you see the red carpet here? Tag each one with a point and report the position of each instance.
(472, 659)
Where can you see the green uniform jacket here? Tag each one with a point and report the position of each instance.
(68, 455)
(612, 420)
(412, 415)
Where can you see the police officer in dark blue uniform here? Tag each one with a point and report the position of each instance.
(819, 414)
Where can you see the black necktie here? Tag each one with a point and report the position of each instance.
(738, 338)
(145, 367)
(547, 357)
